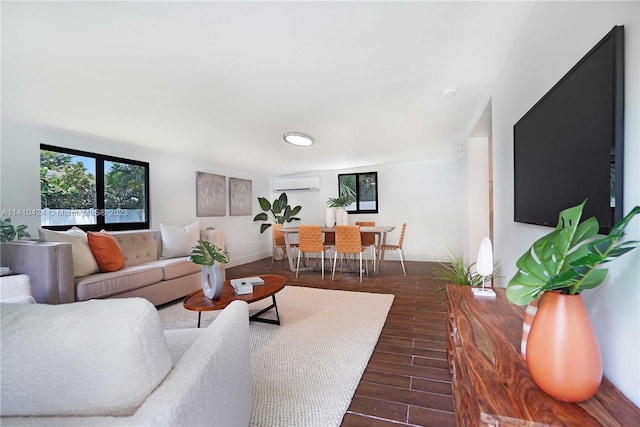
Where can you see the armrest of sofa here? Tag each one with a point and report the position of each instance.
(48, 264)
(211, 383)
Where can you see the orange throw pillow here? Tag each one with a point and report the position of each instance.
(105, 250)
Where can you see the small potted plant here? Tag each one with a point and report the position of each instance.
(336, 213)
(558, 268)
(457, 272)
(209, 256)
(277, 212)
(340, 202)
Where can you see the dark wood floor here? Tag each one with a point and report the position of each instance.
(406, 382)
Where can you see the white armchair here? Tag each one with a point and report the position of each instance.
(16, 289)
(109, 363)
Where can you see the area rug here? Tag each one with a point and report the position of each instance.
(306, 370)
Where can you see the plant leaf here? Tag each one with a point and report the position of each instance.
(265, 204)
(264, 227)
(295, 211)
(261, 217)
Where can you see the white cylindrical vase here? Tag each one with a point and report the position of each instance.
(212, 280)
(330, 217)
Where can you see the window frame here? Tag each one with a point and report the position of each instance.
(100, 160)
(357, 209)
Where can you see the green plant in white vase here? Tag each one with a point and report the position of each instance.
(206, 254)
(340, 202)
(336, 213)
(210, 257)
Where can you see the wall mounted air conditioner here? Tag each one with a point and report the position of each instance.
(305, 183)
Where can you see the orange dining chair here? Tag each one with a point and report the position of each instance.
(348, 242)
(310, 241)
(397, 247)
(369, 239)
(279, 242)
(330, 240)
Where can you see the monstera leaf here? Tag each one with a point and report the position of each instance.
(206, 253)
(555, 262)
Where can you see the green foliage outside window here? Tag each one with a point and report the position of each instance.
(64, 184)
(124, 186)
(362, 191)
(92, 190)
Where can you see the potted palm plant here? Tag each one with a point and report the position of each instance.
(558, 268)
(209, 256)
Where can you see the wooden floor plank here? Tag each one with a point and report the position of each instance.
(406, 382)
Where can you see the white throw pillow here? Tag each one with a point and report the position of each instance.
(90, 358)
(83, 261)
(178, 241)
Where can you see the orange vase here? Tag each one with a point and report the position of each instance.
(563, 356)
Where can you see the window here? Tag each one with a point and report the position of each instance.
(92, 191)
(363, 188)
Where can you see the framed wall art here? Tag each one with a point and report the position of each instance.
(211, 194)
(239, 196)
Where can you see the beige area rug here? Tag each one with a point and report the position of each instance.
(306, 370)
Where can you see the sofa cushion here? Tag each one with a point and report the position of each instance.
(105, 284)
(105, 250)
(83, 261)
(100, 357)
(139, 246)
(178, 241)
(177, 267)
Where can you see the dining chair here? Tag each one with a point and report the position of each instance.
(348, 242)
(330, 240)
(279, 242)
(397, 247)
(310, 241)
(369, 239)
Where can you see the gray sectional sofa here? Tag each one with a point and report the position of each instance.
(146, 274)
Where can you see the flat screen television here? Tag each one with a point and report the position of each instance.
(569, 146)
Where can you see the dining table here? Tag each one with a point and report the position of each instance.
(379, 230)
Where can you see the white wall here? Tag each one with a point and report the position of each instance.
(428, 195)
(477, 158)
(172, 185)
(554, 37)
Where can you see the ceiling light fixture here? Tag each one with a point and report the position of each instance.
(298, 138)
(449, 92)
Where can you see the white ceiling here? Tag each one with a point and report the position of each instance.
(222, 81)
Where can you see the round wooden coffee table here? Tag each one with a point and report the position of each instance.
(273, 283)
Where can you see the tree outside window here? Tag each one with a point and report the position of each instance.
(363, 188)
(92, 191)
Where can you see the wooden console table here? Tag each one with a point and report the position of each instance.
(491, 383)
